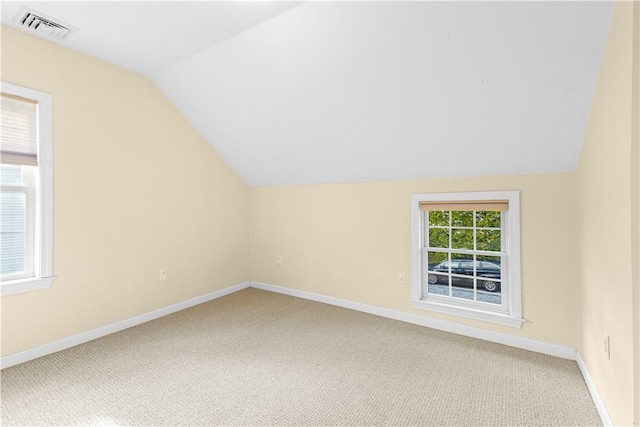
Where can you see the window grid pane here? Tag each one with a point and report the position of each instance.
(463, 270)
(13, 232)
(10, 174)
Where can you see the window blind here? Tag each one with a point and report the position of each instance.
(466, 205)
(19, 130)
(13, 232)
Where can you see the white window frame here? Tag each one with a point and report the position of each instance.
(41, 213)
(510, 313)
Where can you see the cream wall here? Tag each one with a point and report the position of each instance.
(350, 240)
(605, 219)
(136, 189)
(635, 206)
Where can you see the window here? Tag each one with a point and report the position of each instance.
(26, 197)
(466, 255)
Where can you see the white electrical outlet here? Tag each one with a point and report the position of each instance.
(401, 277)
(607, 346)
(279, 260)
(163, 275)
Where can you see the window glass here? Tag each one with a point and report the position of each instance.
(462, 238)
(10, 174)
(488, 240)
(462, 218)
(13, 232)
(439, 218)
(455, 268)
(466, 268)
(488, 219)
(489, 266)
(438, 237)
(437, 260)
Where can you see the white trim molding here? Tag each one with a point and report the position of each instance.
(602, 409)
(53, 347)
(470, 313)
(19, 286)
(509, 312)
(469, 331)
(442, 325)
(42, 254)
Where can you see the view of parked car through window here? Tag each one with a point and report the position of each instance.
(464, 254)
(466, 267)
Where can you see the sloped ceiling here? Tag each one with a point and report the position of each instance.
(365, 91)
(148, 36)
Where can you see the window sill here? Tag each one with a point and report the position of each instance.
(19, 286)
(470, 313)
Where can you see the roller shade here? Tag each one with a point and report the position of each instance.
(19, 130)
(466, 205)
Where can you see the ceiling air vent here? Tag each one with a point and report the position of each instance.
(40, 24)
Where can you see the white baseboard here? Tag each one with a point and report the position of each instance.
(497, 337)
(442, 325)
(602, 410)
(53, 347)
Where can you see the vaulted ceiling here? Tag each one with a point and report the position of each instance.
(315, 92)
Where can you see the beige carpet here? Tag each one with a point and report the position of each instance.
(258, 358)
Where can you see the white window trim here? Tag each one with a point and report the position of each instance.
(43, 247)
(513, 317)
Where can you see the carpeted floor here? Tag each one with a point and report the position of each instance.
(259, 358)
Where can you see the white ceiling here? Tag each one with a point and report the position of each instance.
(147, 36)
(364, 91)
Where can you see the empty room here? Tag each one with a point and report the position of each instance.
(320, 213)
